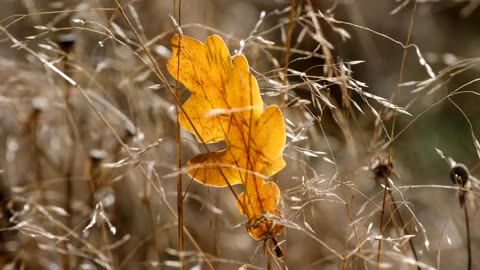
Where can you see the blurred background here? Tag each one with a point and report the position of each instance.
(88, 159)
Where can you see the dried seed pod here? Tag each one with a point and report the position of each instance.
(66, 42)
(381, 168)
(96, 158)
(459, 174)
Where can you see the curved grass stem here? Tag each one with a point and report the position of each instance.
(397, 98)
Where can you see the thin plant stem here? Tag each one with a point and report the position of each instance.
(390, 150)
(66, 47)
(291, 25)
(402, 224)
(153, 224)
(181, 242)
(94, 177)
(382, 212)
(159, 73)
(106, 242)
(469, 244)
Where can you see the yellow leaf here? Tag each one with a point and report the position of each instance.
(250, 149)
(263, 197)
(260, 198)
(216, 83)
(225, 105)
(263, 228)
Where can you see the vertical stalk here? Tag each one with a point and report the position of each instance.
(96, 157)
(153, 224)
(397, 98)
(469, 244)
(32, 127)
(181, 242)
(291, 25)
(402, 224)
(66, 43)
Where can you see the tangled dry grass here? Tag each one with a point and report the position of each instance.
(376, 97)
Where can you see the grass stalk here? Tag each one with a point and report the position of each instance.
(66, 44)
(291, 26)
(469, 242)
(180, 235)
(397, 98)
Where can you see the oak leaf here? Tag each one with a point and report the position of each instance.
(216, 82)
(225, 105)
